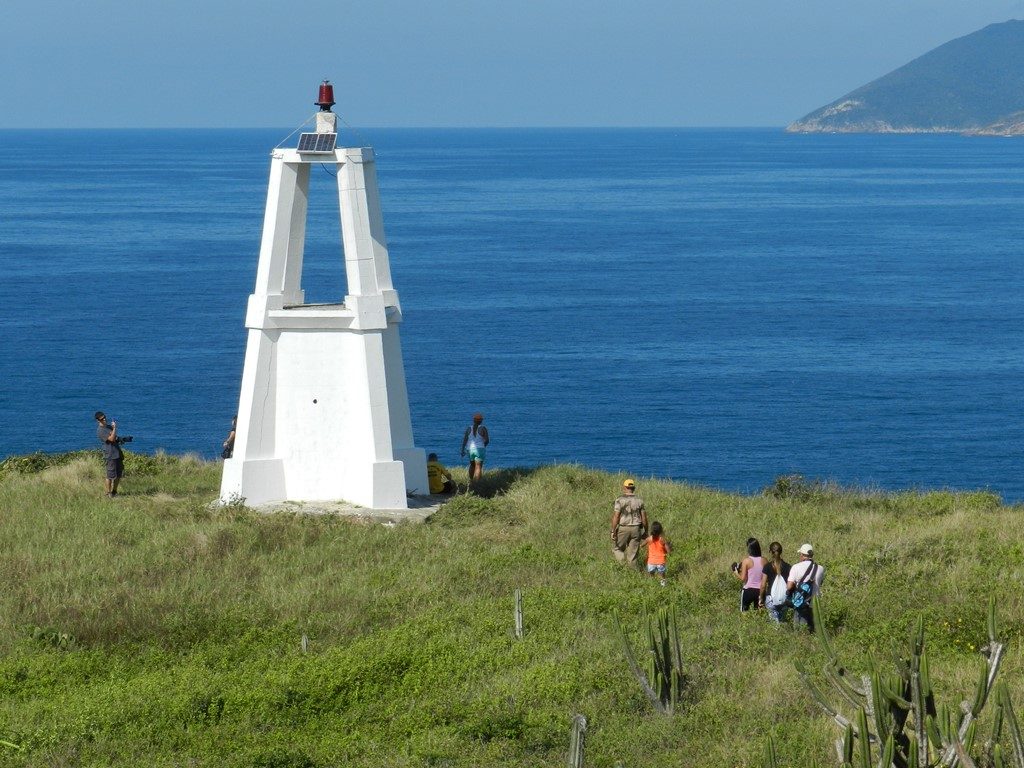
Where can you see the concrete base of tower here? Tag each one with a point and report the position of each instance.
(414, 466)
(376, 485)
(261, 479)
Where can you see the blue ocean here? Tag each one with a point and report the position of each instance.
(715, 306)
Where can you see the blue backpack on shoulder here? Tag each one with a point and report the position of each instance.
(800, 597)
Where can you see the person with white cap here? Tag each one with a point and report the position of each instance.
(805, 576)
(629, 524)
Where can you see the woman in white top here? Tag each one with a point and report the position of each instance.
(476, 441)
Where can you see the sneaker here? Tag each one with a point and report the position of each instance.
(664, 583)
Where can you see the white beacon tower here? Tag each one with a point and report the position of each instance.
(324, 412)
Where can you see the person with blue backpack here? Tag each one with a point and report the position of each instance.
(804, 583)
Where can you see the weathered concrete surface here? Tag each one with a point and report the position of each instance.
(420, 509)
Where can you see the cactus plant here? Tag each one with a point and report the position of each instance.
(662, 680)
(771, 760)
(897, 723)
(577, 741)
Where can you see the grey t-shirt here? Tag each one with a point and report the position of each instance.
(110, 450)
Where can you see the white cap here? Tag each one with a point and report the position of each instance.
(806, 549)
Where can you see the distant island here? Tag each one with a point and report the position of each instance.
(972, 85)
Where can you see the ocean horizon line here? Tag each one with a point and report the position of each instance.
(67, 129)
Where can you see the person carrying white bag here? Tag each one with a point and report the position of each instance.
(773, 584)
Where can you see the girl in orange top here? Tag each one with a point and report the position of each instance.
(658, 549)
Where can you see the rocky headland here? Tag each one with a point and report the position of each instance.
(973, 85)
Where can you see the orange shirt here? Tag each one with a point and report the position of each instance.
(656, 551)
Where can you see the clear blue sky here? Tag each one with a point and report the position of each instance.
(199, 63)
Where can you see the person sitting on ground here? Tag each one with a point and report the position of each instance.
(805, 572)
(748, 571)
(773, 584)
(113, 456)
(439, 479)
(476, 439)
(658, 549)
(629, 521)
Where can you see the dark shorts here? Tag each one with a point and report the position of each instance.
(115, 468)
(749, 598)
(804, 615)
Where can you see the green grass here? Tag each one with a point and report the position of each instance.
(155, 630)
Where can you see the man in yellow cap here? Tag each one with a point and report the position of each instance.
(629, 521)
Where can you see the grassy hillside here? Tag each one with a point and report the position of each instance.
(152, 630)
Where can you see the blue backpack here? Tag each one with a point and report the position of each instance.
(800, 597)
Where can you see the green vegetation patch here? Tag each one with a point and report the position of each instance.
(156, 629)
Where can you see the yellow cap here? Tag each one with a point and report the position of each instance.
(628, 483)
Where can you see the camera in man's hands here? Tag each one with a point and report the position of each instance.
(124, 439)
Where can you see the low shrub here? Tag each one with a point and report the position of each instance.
(466, 509)
(799, 488)
(39, 461)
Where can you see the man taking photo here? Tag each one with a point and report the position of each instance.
(112, 453)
